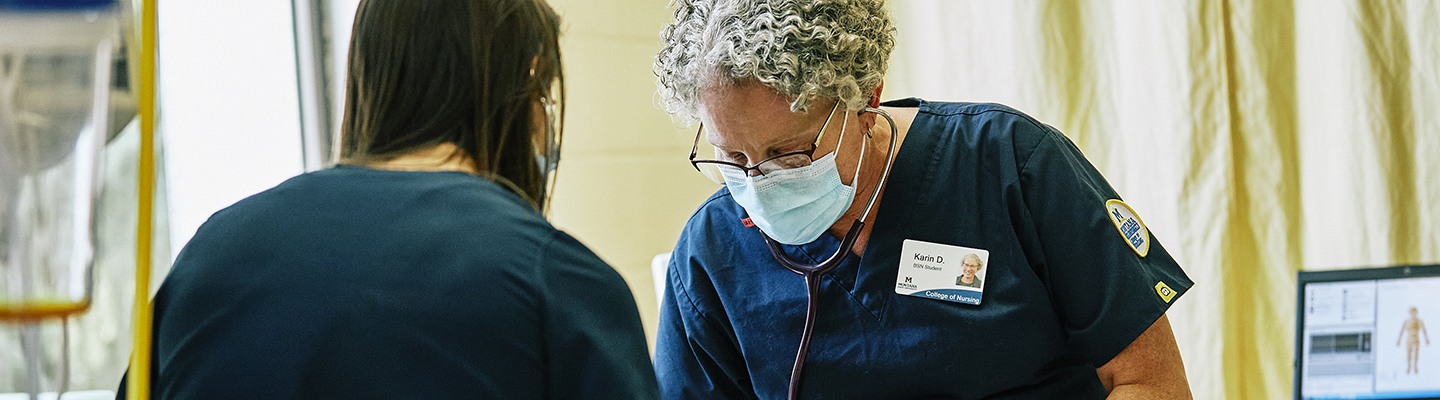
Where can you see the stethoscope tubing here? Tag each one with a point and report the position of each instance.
(813, 272)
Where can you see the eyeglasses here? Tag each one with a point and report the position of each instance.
(716, 170)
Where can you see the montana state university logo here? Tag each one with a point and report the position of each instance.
(1131, 228)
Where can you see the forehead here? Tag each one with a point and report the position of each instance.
(750, 115)
(747, 95)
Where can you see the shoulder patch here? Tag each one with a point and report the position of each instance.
(1131, 228)
(1165, 292)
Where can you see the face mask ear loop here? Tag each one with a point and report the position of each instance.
(889, 160)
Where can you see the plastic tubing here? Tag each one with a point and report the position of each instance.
(138, 384)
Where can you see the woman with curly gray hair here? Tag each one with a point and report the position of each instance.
(787, 94)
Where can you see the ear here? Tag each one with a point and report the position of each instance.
(868, 119)
(875, 97)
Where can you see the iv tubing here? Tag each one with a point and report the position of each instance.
(138, 383)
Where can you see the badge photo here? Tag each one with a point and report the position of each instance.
(942, 272)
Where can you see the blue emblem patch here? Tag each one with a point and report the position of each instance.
(1131, 228)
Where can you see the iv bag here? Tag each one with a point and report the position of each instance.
(55, 61)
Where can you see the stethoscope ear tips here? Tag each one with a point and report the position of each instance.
(882, 113)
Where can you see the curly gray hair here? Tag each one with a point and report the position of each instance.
(803, 49)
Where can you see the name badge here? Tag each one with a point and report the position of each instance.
(942, 272)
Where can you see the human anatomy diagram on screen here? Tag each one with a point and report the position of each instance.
(1410, 332)
(1405, 361)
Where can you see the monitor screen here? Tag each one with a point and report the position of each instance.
(1362, 334)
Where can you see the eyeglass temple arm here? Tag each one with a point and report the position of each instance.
(695, 146)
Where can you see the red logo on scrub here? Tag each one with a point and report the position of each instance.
(748, 223)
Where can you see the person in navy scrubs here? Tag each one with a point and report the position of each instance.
(1075, 288)
(422, 266)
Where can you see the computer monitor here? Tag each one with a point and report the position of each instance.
(1362, 334)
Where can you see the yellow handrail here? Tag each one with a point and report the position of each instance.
(138, 385)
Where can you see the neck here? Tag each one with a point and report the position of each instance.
(441, 157)
(872, 168)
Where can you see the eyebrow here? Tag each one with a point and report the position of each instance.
(770, 150)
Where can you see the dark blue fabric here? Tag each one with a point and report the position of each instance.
(1063, 292)
(361, 283)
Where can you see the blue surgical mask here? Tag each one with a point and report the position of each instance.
(793, 206)
(546, 164)
(549, 159)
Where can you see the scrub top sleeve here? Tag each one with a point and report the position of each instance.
(1104, 291)
(595, 344)
(695, 358)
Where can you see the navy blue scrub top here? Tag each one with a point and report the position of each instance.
(360, 283)
(1063, 291)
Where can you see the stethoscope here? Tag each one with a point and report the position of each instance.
(813, 272)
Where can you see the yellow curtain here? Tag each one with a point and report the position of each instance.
(1256, 137)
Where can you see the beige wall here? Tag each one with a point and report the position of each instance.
(625, 188)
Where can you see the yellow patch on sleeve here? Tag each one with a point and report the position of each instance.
(1165, 292)
(1128, 224)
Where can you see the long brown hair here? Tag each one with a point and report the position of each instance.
(466, 72)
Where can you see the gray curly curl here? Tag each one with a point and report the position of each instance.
(804, 49)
